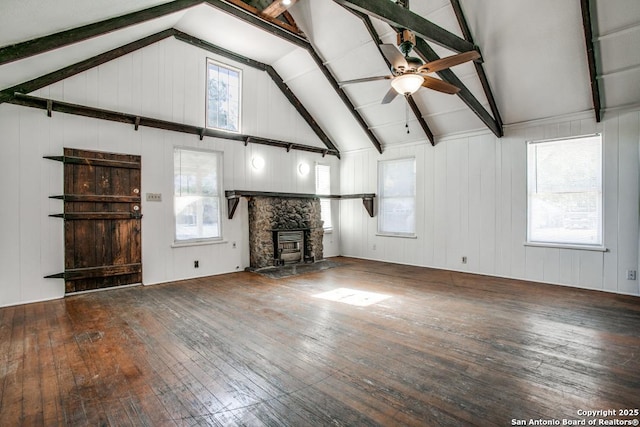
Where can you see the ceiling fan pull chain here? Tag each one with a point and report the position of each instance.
(406, 115)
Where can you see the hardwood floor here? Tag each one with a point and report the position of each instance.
(240, 349)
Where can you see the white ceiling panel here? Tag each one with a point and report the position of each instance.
(615, 15)
(621, 89)
(619, 51)
(22, 20)
(227, 31)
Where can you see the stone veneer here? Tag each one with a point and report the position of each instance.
(282, 213)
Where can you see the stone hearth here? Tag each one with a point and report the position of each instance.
(267, 214)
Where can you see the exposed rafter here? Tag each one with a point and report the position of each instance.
(137, 121)
(290, 25)
(71, 70)
(421, 121)
(412, 103)
(299, 41)
(427, 54)
(297, 104)
(65, 38)
(40, 45)
(251, 15)
(44, 44)
(277, 8)
(591, 57)
(479, 67)
(8, 94)
(399, 17)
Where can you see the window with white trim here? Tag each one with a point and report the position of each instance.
(323, 187)
(564, 181)
(397, 197)
(197, 178)
(223, 97)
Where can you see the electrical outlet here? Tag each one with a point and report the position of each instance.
(196, 264)
(631, 275)
(154, 197)
(464, 259)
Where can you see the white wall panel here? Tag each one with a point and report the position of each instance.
(166, 81)
(628, 190)
(472, 202)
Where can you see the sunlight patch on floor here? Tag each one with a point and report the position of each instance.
(353, 297)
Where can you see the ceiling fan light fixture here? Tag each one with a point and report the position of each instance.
(407, 83)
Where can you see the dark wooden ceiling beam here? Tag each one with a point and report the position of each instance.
(277, 79)
(209, 47)
(133, 119)
(462, 21)
(71, 70)
(591, 57)
(64, 38)
(421, 121)
(40, 45)
(412, 103)
(427, 54)
(251, 15)
(259, 22)
(289, 27)
(399, 17)
(56, 76)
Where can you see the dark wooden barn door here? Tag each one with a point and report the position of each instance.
(102, 220)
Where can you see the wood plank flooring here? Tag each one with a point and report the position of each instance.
(446, 348)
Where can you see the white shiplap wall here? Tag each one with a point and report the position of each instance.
(471, 201)
(166, 81)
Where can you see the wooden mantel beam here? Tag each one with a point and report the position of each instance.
(399, 17)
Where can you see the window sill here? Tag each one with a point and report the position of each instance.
(197, 243)
(402, 236)
(567, 246)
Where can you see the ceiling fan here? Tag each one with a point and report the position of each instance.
(408, 74)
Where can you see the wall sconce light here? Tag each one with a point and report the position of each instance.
(303, 169)
(257, 163)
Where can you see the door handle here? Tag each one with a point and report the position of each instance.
(136, 212)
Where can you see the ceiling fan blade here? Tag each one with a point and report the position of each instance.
(449, 61)
(364, 79)
(394, 56)
(440, 85)
(390, 96)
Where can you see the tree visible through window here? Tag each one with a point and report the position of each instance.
(564, 179)
(223, 97)
(397, 197)
(197, 187)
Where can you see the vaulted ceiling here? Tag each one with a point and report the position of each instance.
(535, 60)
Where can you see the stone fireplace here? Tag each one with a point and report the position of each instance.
(284, 229)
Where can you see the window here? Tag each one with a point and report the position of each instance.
(323, 187)
(564, 180)
(223, 97)
(397, 197)
(197, 186)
